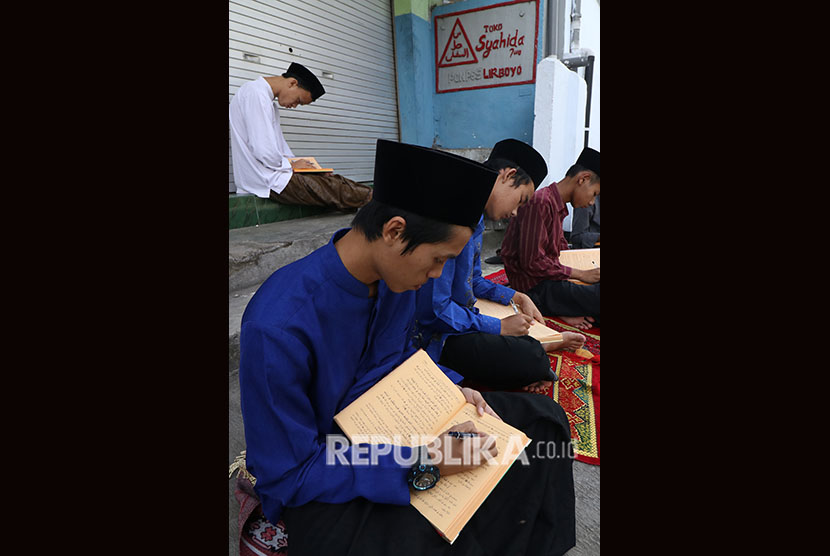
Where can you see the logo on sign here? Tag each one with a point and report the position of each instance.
(490, 46)
(456, 51)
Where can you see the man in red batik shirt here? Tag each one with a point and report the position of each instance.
(534, 239)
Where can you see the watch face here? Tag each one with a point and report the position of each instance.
(425, 480)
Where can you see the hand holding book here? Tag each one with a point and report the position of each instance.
(589, 276)
(465, 450)
(523, 302)
(299, 163)
(308, 164)
(504, 312)
(417, 401)
(584, 264)
(516, 325)
(474, 397)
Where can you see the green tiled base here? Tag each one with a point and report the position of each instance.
(250, 210)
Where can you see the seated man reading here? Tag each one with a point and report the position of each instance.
(261, 156)
(322, 330)
(534, 238)
(493, 352)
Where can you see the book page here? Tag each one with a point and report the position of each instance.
(416, 399)
(451, 503)
(537, 330)
(583, 259)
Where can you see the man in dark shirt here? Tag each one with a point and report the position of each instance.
(535, 237)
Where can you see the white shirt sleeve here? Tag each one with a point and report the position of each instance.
(262, 132)
(260, 153)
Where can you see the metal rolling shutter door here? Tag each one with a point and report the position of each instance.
(352, 43)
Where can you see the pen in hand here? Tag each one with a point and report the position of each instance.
(515, 309)
(457, 434)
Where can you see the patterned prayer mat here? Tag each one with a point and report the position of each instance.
(577, 389)
(257, 535)
(261, 538)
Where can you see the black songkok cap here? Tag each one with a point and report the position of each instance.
(306, 80)
(432, 183)
(589, 159)
(524, 156)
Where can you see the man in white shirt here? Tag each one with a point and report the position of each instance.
(261, 164)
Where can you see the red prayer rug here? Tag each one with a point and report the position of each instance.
(577, 389)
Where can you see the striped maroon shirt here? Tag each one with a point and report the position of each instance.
(534, 239)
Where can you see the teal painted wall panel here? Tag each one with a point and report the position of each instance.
(461, 119)
(480, 118)
(415, 57)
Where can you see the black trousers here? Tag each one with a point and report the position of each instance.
(563, 298)
(500, 362)
(530, 512)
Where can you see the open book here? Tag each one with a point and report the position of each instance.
(538, 330)
(416, 403)
(583, 259)
(313, 160)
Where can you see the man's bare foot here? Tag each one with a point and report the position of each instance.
(582, 323)
(538, 387)
(570, 341)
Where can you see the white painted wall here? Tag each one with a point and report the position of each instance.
(589, 38)
(559, 119)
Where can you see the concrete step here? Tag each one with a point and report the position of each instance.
(250, 210)
(255, 252)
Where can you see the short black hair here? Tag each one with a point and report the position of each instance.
(371, 218)
(305, 79)
(576, 168)
(301, 82)
(521, 177)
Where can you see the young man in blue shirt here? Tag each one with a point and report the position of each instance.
(493, 352)
(322, 330)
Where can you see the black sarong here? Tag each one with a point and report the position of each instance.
(563, 298)
(495, 361)
(531, 511)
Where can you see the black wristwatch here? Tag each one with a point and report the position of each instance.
(423, 474)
